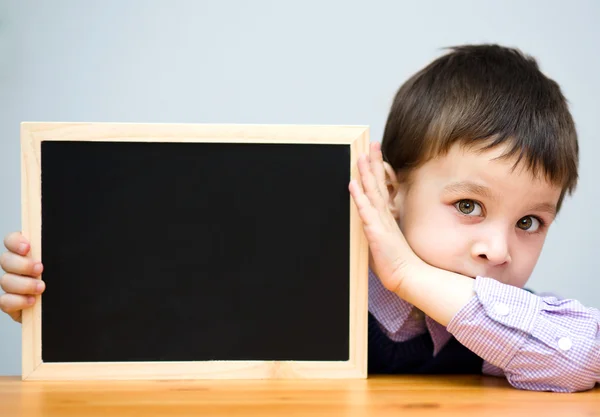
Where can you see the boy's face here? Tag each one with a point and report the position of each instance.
(467, 213)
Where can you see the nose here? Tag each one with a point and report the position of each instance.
(493, 249)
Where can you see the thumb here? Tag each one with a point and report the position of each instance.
(16, 316)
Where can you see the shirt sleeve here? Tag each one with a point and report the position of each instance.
(540, 343)
(399, 319)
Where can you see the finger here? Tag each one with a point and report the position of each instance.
(20, 265)
(15, 242)
(370, 184)
(16, 284)
(16, 316)
(378, 169)
(11, 303)
(366, 211)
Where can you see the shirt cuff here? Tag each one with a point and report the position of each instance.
(388, 309)
(497, 321)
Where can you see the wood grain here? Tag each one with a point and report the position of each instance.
(31, 220)
(377, 396)
(190, 132)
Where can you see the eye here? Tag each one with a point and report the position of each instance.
(468, 207)
(529, 223)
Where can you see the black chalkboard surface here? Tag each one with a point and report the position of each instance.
(233, 255)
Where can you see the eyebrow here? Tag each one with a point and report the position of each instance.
(545, 208)
(469, 187)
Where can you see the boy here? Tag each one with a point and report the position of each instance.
(480, 151)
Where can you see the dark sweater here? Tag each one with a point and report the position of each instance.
(415, 356)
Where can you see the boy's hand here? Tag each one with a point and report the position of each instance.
(390, 255)
(21, 281)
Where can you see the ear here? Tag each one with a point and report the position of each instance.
(394, 190)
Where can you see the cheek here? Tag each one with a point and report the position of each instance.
(433, 234)
(524, 261)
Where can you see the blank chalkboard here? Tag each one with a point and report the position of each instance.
(194, 251)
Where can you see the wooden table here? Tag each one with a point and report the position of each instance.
(377, 396)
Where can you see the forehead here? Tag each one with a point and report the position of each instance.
(502, 175)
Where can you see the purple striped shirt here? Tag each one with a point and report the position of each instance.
(538, 343)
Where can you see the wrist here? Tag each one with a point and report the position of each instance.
(411, 272)
(438, 293)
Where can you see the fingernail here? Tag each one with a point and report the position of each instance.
(30, 300)
(40, 287)
(23, 247)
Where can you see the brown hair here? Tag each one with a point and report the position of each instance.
(484, 95)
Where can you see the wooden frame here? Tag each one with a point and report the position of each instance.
(33, 368)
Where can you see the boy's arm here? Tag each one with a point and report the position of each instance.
(540, 343)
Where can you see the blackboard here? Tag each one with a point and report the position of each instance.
(194, 251)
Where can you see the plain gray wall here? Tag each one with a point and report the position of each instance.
(299, 62)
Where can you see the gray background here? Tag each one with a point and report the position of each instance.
(298, 62)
